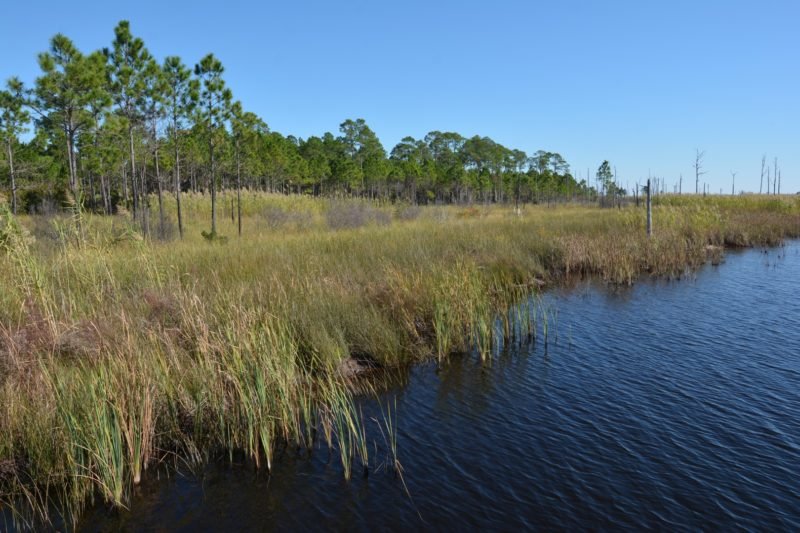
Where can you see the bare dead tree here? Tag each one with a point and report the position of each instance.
(698, 170)
(775, 177)
(763, 166)
(649, 211)
(680, 184)
(733, 182)
(768, 179)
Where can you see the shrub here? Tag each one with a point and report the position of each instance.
(350, 215)
(408, 212)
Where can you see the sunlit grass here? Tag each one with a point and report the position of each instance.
(118, 352)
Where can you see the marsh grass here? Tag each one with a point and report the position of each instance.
(117, 353)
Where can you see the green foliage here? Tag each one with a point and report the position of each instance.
(13, 115)
(124, 119)
(132, 73)
(212, 236)
(214, 99)
(12, 234)
(70, 83)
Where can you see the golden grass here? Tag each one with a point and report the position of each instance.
(118, 352)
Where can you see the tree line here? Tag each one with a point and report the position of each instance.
(116, 129)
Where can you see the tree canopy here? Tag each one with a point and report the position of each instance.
(107, 124)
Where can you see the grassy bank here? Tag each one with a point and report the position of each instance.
(118, 352)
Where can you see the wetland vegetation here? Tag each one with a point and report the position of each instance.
(119, 352)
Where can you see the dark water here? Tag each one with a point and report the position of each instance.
(671, 406)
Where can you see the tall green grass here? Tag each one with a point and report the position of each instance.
(117, 353)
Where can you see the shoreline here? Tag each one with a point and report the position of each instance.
(126, 351)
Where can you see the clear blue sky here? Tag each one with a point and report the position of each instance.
(639, 83)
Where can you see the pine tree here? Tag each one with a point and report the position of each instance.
(131, 71)
(13, 118)
(62, 94)
(180, 95)
(212, 114)
(246, 129)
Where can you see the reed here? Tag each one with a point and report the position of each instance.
(117, 353)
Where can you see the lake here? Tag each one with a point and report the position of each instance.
(667, 405)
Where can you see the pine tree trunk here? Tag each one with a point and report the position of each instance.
(73, 184)
(134, 187)
(105, 194)
(13, 176)
(178, 185)
(161, 228)
(213, 194)
(239, 188)
(144, 200)
(125, 184)
(92, 181)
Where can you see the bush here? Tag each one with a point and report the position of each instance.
(42, 201)
(277, 217)
(12, 233)
(350, 215)
(409, 212)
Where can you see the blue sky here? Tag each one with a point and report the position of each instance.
(640, 83)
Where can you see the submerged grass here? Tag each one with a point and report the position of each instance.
(117, 353)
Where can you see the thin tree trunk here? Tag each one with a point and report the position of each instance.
(178, 185)
(73, 185)
(213, 194)
(104, 194)
(144, 200)
(102, 188)
(768, 179)
(92, 180)
(134, 185)
(13, 176)
(125, 184)
(775, 178)
(160, 198)
(136, 199)
(649, 211)
(70, 133)
(239, 187)
(144, 196)
(109, 193)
